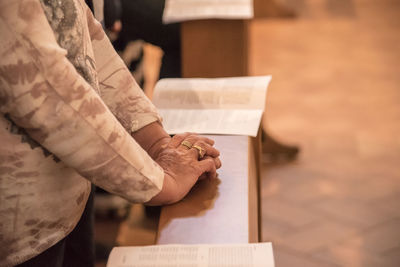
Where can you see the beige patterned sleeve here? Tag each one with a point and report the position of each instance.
(42, 92)
(118, 89)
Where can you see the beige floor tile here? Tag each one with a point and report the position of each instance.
(351, 212)
(289, 214)
(380, 238)
(352, 257)
(286, 258)
(323, 233)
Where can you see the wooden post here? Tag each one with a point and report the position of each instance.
(214, 48)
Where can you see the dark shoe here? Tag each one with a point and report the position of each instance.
(272, 9)
(275, 151)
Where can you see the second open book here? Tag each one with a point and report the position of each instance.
(206, 255)
(232, 106)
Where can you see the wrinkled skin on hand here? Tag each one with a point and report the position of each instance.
(182, 166)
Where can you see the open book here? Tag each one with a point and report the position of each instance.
(215, 255)
(232, 106)
(181, 10)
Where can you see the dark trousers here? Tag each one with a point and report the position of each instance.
(142, 20)
(75, 250)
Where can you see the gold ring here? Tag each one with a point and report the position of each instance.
(202, 152)
(186, 144)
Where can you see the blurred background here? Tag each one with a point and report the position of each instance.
(335, 92)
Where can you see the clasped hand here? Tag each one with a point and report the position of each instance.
(183, 164)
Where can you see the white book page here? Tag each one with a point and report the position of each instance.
(211, 121)
(246, 255)
(182, 10)
(212, 106)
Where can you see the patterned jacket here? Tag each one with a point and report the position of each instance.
(68, 106)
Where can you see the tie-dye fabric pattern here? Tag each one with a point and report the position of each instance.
(67, 108)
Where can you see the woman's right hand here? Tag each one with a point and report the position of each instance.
(183, 166)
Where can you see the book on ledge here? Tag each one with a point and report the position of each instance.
(183, 10)
(204, 255)
(230, 106)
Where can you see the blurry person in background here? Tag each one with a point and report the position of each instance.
(142, 20)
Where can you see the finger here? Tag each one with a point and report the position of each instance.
(193, 152)
(212, 151)
(206, 149)
(200, 146)
(208, 140)
(208, 166)
(177, 140)
(217, 161)
(191, 139)
(194, 138)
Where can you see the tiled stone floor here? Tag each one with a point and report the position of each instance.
(336, 93)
